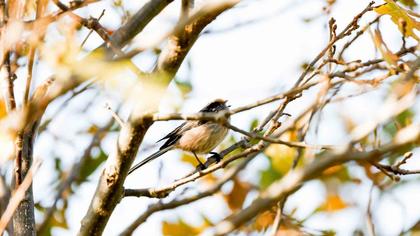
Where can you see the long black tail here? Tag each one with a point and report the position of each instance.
(149, 158)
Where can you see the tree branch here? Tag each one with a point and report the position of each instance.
(157, 207)
(110, 186)
(294, 180)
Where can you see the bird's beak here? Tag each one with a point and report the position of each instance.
(225, 101)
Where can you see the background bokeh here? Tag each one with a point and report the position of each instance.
(250, 52)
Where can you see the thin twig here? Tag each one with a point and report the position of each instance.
(157, 207)
(115, 115)
(346, 31)
(369, 221)
(91, 30)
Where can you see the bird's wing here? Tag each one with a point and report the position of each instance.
(176, 134)
(173, 132)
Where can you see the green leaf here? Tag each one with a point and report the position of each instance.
(402, 120)
(89, 165)
(185, 87)
(254, 124)
(269, 175)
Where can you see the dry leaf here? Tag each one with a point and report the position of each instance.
(388, 56)
(399, 15)
(236, 197)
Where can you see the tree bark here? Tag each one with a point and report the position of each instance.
(24, 218)
(110, 187)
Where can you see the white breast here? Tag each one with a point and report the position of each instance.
(203, 138)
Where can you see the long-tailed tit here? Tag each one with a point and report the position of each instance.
(198, 137)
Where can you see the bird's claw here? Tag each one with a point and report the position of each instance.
(201, 167)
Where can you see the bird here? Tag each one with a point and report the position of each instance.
(197, 137)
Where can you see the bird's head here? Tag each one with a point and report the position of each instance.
(215, 106)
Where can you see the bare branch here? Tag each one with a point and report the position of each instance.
(230, 173)
(346, 31)
(294, 179)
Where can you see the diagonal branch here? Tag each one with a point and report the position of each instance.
(294, 179)
(185, 34)
(157, 207)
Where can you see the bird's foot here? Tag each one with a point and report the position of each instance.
(200, 167)
(216, 156)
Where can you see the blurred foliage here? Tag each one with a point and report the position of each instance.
(402, 120)
(389, 57)
(90, 164)
(182, 228)
(333, 202)
(3, 111)
(340, 173)
(185, 87)
(268, 176)
(190, 159)
(236, 197)
(404, 19)
(63, 55)
(281, 158)
(265, 220)
(58, 218)
(408, 3)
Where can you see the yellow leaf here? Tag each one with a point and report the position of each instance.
(181, 228)
(190, 159)
(93, 129)
(236, 197)
(333, 203)
(399, 15)
(282, 157)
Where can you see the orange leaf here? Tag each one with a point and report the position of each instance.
(376, 177)
(236, 197)
(3, 111)
(289, 232)
(333, 203)
(264, 220)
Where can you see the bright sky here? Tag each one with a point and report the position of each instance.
(241, 65)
